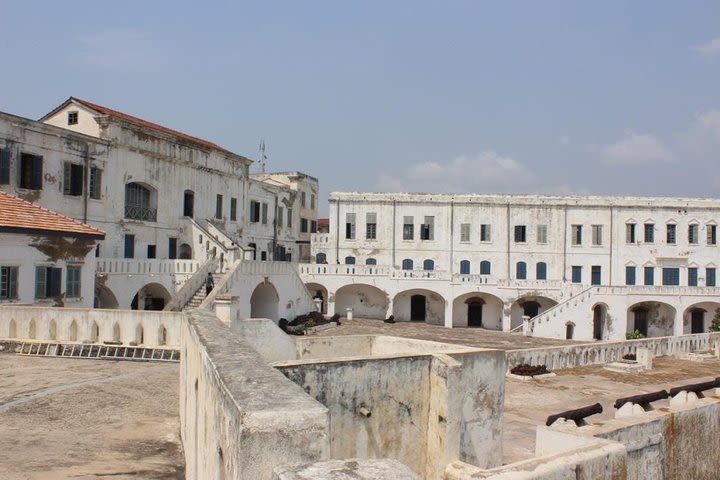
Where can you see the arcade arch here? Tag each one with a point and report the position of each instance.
(531, 306)
(698, 317)
(264, 302)
(419, 305)
(318, 291)
(477, 309)
(152, 296)
(652, 319)
(366, 301)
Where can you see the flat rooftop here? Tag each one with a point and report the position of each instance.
(528, 403)
(83, 419)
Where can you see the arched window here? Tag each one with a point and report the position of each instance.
(521, 271)
(320, 257)
(541, 271)
(140, 202)
(484, 267)
(349, 260)
(428, 265)
(407, 264)
(370, 261)
(465, 267)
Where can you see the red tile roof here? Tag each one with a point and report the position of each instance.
(154, 126)
(20, 216)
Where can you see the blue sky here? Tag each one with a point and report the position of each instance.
(460, 96)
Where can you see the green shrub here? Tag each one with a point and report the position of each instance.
(715, 326)
(636, 335)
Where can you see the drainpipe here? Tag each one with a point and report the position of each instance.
(393, 232)
(86, 180)
(452, 234)
(611, 244)
(337, 231)
(507, 243)
(275, 231)
(564, 275)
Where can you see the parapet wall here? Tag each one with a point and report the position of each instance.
(572, 356)
(239, 417)
(90, 325)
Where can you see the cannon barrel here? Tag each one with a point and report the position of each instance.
(575, 415)
(696, 387)
(642, 398)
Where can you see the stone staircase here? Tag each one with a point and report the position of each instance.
(199, 295)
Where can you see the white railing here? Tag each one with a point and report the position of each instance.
(325, 269)
(319, 238)
(155, 266)
(474, 279)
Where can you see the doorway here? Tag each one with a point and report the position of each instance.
(697, 321)
(474, 316)
(417, 308)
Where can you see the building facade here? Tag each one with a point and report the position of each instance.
(491, 260)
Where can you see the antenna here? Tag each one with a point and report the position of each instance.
(263, 156)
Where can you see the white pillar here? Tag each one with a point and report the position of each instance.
(448, 314)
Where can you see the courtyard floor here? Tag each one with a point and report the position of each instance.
(88, 419)
(474, 337)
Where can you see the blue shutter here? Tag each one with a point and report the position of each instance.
(541, 271)
(485, 267)
(649, 275)
(465, 267)
(37, 173)
(521, 271)
(349, 260)
(710, 277)
(407, 264)
(692, 277)
(4, 166)
(576, 274)
(320, 257)
(370, 261)
(671, 276)
(596, 275)
(428, 265)
(629, 275)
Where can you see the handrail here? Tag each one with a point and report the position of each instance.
(178, 301)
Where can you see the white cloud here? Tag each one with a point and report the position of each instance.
(484, 172)
(710, 48)
(636, 148)
(122, 50)
(703, 134)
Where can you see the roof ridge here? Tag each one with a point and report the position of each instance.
(155, 126)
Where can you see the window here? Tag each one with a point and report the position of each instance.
(95, 188)
(629, 233)
(254, 211)
(485, 232)
(649, 232)
(407, 264)
(349, 260)
(576, 274)
(711, 234)
(465, 267)
(692, 277)
(72, 118)
(370, 261)
(8, 283)
(520, 234)
(464, 232)
(264, 214)
(47, 282)
(280, 217)
(172, 248)
(289, 218)
(649, 276)
(671, 276)
(4, 166)
(576, 234)
(31, 171)
(313, 226)
(427, 229)
(320, 257)
(350, 226)
(485, 267)
(218, 206)
(428, 265)
(597, 235)
(629, 275)
(541, 271)
(72, 282)
(312, 201)
(710, 277)
(670, 233)
(302, 199)
(542, 234)
(370, 226)
(233, 209)
(138, 204)
(303, 225)
(408, 228)
(73, 179)
(693, 234)
(521, 270)
(129, 246)
(595, 275)
(151, 251)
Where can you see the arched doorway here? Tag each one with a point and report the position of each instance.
(366, 301)
(185, 252)
(477, 309)
(475, 312)
(530, 306)
(651, 319)
(152, 296)
(419, 305)
(569, 330)
(599, 313)
(264, 302)
(698, 317)
(320, 292)
(104, 297)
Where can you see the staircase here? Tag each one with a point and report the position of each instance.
(199, 295)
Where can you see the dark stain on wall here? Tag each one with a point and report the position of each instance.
(61, 248)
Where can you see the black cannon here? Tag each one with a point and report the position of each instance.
(696, 387)
(578, 415)
(642, 399)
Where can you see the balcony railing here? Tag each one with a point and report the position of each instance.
(141, 213)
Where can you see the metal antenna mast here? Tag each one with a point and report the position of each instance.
(263, 156)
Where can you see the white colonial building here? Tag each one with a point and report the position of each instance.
(173, 206)
(579, 267)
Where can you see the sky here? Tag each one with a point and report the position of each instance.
(553, 97)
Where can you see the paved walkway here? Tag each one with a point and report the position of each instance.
(474, 337)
